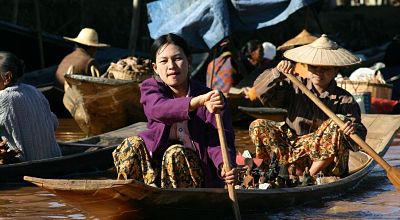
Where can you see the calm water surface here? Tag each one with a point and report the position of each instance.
(375, 198)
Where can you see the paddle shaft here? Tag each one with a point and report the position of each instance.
(338, 121)
(227, 164)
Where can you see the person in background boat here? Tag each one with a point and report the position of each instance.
(181, 147)
(254, 61)
(222, 72)
(82, 59)
(26, 121)
(308, 138)
(303, 38)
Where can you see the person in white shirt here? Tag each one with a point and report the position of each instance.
(26, 121)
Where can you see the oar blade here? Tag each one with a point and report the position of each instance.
(394, 177)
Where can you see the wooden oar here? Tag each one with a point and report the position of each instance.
(227, 164)
(392, 172)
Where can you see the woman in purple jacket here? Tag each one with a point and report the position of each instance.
(180, 148)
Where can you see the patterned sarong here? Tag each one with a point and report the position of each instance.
(325, 142)
(179, 168)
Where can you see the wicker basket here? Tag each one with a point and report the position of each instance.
(130, 68)
(377, 90)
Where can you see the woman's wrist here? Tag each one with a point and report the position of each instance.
(196, 102)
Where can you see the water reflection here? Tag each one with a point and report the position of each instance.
(30, 202)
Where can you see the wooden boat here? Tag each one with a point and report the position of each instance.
(127, 198)
(86, 155)
(275, 114)
(235, 101)
(100, 105)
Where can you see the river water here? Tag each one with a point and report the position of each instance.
(375, 198)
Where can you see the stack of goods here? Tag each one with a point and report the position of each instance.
(368, 87)
(130, 68)
(7, 156)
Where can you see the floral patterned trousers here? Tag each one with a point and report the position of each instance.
(327, 141)
(179, 168)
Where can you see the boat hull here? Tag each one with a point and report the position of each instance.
(81, 156)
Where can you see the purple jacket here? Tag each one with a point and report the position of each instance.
(162, 110)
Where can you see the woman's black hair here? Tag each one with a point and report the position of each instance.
(169, 39)
(10, 62)
(250, 46)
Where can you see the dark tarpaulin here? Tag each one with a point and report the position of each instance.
(203, 23)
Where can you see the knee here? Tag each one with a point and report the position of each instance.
(128, 147)
(260, 130)
(174, 150)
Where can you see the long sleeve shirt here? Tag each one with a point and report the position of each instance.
(163, 110)
(27, 122)
(274, 90)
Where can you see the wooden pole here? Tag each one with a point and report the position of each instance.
(15, 12)
(82, 13)
(134, 25)
(39, 34)
(227, 164)
(392, 172)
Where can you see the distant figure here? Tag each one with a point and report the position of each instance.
(26, 121)
(253, 52)
(82, 58)
(222, 72)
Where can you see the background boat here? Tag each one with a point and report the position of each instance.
(81, 156)
(275, 114)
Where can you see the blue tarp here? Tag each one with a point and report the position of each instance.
(203, 23)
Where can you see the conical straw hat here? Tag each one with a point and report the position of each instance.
(88, 37)
(301, 39)
(322, 52)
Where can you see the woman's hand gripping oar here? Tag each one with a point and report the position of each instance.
(227, 164)
(393, 173)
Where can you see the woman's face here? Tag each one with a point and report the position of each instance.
(172, 65)
(321, 75)
(258, 54)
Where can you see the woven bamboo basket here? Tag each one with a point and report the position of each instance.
(377, 90)
(130, 68)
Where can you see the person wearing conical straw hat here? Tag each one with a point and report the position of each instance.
(308, 138)
(82, 58)
(303, 38)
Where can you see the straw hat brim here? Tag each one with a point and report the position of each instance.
(322, 52)
(87, 43)
(322, 57)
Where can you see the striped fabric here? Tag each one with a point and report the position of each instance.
(27, 122)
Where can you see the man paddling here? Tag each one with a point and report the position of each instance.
(308, 138)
